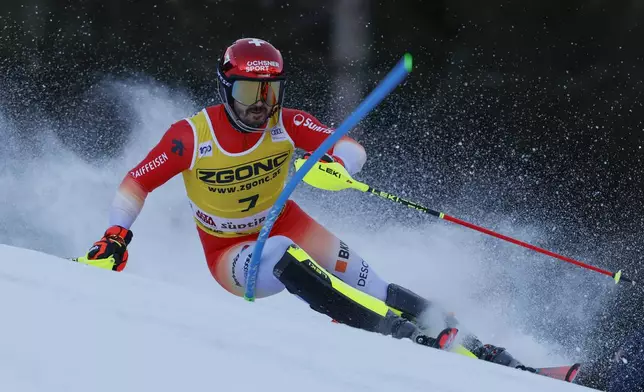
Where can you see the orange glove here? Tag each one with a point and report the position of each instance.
(111, 250)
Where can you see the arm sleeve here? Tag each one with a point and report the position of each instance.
(173, 154)
(308, 133)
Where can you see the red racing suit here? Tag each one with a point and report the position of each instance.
(221, 166)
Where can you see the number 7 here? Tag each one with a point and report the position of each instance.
(252, 200)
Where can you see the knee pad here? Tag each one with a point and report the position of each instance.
(311, 283)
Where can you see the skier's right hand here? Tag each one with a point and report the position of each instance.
(110, 252)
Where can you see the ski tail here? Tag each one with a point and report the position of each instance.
(563, 373)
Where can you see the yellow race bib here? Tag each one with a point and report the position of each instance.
(232, 193)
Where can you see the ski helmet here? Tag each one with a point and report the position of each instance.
(251, 70)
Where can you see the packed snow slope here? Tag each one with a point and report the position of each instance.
(69, 327)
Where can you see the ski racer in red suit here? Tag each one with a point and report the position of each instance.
(234, 161)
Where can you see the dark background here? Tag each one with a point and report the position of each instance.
(532, 109)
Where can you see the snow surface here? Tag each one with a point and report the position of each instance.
(69, 327)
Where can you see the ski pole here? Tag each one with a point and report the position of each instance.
(390, 82)
(333, 177)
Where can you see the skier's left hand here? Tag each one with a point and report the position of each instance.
(326, 158)
(329, 174)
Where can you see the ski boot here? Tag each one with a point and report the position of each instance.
(500, 356)
(412, 307)
(443, 341)
(401, 328)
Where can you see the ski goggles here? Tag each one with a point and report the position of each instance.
(249, 92)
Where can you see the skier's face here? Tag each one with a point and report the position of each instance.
(254, 115)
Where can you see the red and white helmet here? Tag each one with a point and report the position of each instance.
(251, 70)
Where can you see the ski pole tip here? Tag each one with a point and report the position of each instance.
(408, 61)
(625, 279)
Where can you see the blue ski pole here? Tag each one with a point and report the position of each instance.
(390, 82)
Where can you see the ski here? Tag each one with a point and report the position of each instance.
(563, 373)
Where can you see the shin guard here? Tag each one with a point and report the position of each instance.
(329, 295)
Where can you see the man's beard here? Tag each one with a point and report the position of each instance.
(255, 116)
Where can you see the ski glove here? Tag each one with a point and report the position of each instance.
(326, 158)
(328, 174)
(110, 252)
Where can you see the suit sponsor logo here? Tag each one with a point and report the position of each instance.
(364, 274)
(343, 253)
(229, 225)
(205, 149)
(235, 260)
(150, 166)
(244, 172)
(300, 120)
(177, 147)
(341, 266)
(278, 134)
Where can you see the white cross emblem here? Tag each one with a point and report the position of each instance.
(256, 42)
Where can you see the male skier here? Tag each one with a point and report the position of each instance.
(234, 161)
